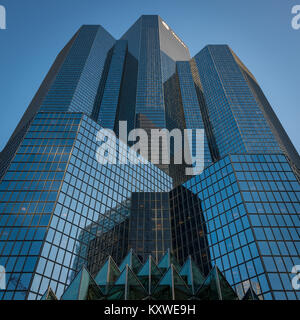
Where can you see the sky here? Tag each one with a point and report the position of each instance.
(259, 31)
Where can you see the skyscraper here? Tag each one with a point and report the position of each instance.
(62, 210)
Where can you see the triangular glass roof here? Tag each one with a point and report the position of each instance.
(107, 275)
(172, 286)
(192, 274)
(250, 295)
(149, 282)
(166, 280)
(132, 260)
(226, 290)
(149, 274)
(167, 260)
(83, 287)
(216, 287)
(49, 295)
(181, 290)
(127, 287)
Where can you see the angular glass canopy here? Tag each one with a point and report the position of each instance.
(83, 287)
(149, 275)
(107, 275)
(216, 287)
(172, 286)
(150, 281)
(193, 276)
(250, 295)
(127, 287)
(49, 295)
(132, 260)
(167, 260)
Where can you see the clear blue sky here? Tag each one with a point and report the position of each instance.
(259, 31)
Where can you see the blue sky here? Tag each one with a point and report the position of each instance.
(259, 31)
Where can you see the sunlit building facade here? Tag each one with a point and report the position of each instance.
(64, 215)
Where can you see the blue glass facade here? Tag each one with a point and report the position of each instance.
(52, 194)
(63, 213)
(29, 191)
(76, 83)
(236, 119)
(190, 104)
(250, 205)
(111, 95)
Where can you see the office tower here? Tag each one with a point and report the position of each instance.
(64, 212)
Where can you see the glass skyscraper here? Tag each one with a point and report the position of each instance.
(63, 213)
